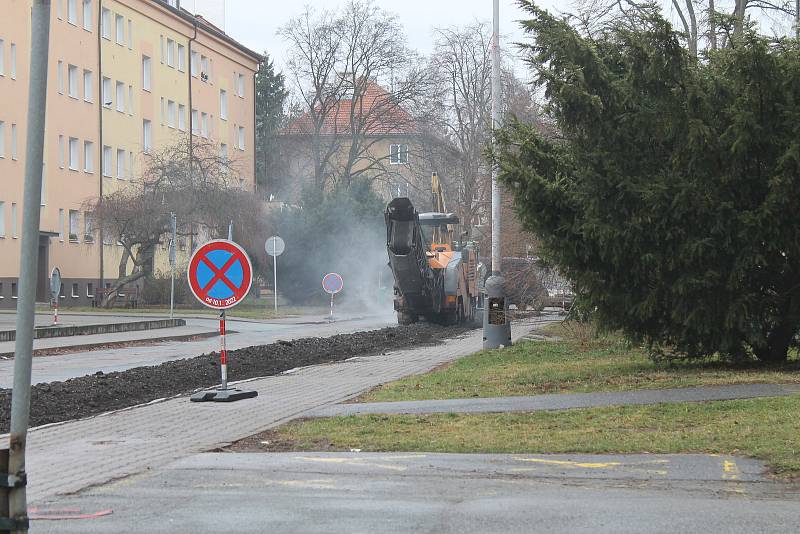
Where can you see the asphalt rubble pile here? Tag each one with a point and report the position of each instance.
(98, 393)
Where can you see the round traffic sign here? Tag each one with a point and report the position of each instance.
(220, 274)
(332, 283)
(274, 246)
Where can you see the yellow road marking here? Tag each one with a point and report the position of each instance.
(569, 463)
(730, 471)
(352, 461)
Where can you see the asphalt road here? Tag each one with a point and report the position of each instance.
(436, 493)
(241, 333)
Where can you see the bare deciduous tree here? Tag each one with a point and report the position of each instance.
(204, 196)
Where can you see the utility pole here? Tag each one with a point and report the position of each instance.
(23, 348)
(496, 324)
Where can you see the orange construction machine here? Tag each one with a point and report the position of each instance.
(435, 275)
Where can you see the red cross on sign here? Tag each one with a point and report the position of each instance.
(220, 274)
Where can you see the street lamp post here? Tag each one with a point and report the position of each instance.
(496, 324)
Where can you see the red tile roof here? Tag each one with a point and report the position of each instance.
(382, 116)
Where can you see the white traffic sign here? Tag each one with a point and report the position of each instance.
(274, 246)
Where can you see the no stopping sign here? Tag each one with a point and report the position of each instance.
(220, 274)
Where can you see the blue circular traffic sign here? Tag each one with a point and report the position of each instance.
(332, 283)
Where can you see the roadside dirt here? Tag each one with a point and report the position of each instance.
(94, 394)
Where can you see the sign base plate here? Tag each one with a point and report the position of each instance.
(223, 395)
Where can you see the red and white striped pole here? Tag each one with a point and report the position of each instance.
(55, 312)
(223, 357)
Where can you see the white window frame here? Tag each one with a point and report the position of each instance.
(73, 222)
(61, 152)
(205, 69)
(2, 219)
(88, 86)
(88, 157)
(195, 122)
(147, 135)
(14, 220)
(204, 125)
(223, 104)
(108, 99)
(2, 57)
(121, 163)
(105, 23)
(88, 228)
(171, 113)
(241, 138)
(13, 61)
(59, 76)
(72, 12)
(181, 57)
(2, 140)
(108, 161)
(73, 148)
(61, 225)
(72, 81)
(120, 94)
(130, 34)
(13, 141)
(147, 72)
(396, 152)
(181, 117)
(87, 15)
(170, 53)
(194, 61)
(119, 29)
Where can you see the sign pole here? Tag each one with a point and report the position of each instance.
(275, 279)
(223, 357)
(172, 261)
(55, 312)
(17, 518)
(331, 316)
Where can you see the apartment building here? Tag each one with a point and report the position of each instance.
(124, 77)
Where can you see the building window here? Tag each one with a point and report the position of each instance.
(90, 290)
(107, 98)
(61, 152)
(73, 154)
(121, 163)
(170, 53)
(87, 85)
(182, 117)
(181, 58)
(13, 141)
(240, 85)
(195, 64)
(223, 152)
(14, 220)
(73, 226)
(61, 225)
(88, 156)
(2, 56)
(205, 69)
(223, 104)
(119, 21)
(13, 61)
(59, 75)
(108, 162)
(105, 24)
(147, 135)
(2, 219)
(88, 228)
(121, 97)
(171, 113)
(204, 125)
(87, 15)
(195, 122)
(161, 47)
(72, 81)
(398, 154)
(75, 290)
(130, 99)
(146, 73)
(72, 12)
(241, 137)
(2, 139)
(13, 290)
(130, 34)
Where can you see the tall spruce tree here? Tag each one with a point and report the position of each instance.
(669, 196)
(270, 98)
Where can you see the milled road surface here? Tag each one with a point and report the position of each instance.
(242, 333)
(437, 493)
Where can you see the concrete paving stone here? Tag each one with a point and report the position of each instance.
(68, 457)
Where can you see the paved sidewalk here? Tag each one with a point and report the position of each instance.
(562, 401)
(69, 457)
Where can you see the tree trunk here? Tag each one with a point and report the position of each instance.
(777, 347)
(738, 17)
(712, 27)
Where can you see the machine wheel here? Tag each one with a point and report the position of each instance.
(405, 318)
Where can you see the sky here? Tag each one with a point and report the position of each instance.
(254, 23)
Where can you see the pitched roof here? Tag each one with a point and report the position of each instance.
(380, 114)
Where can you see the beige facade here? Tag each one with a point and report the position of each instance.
(124, 77)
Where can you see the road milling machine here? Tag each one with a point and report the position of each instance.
(435, 274)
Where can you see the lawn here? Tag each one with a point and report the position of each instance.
(255, 309)
(763, 428)
(577, 363)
